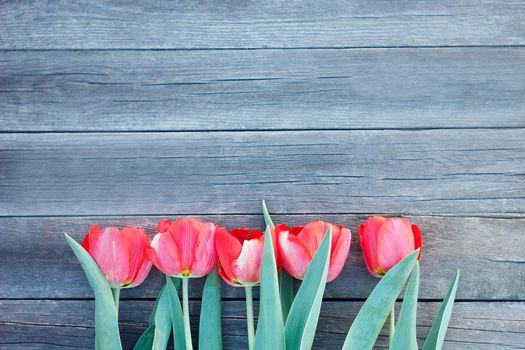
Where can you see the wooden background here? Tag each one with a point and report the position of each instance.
(122, 112)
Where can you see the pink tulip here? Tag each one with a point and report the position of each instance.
(385, 242)
(184, 248)
(240, 255)
(120, 254)
(297, 247)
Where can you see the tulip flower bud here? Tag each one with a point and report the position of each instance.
(385, 242)
(184, 248)
(120, 254)
(297, 247)
(240, 255)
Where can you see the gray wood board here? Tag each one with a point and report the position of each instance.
(35, 261)
(269, 24)
(269, 89)
(439, 172)
(48, 324)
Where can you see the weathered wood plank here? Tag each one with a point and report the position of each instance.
(452, 172)
(44, 324)
(35, 262)
(275, 89)
(269, 24)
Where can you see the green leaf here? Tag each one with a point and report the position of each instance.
(162, 321)
(106, 320)
(177, 321)
(299, 330)
(266, 215)
(151, 320)
(160, 318)
(145, 342)
(370, 319)
(405, 337)
(286, 290)
(210, 331)
(269, 334)
(437, 333)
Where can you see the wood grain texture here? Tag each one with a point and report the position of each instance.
(123, 113)
(49, 325)
(449, 172)
(269, 89)
(163, 24)
(35, 261)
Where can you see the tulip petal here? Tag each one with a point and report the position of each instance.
(246, 268)
(294, 256)
(282, 227)
(142, 273)
(140, 265)
(368, 240)
(242, 234)
(109, 249)
(185, 233)
(312, 235)
(164, 254)
(228, 249)
(92, 230)
(395, 240)
(224, 276)
(339, 254)
(163, 226)
(205, 255)
(336, 233)
(418, 242)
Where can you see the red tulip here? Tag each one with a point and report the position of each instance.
(385, 242)
(240, 255)
(297, 247)
(120, 254)
(184, 248)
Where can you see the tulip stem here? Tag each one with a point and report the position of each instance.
(249, 316)
(116, 297)
(392, 324)
(186, 312)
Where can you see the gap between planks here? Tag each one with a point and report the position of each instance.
(262, 130)
(393, 47)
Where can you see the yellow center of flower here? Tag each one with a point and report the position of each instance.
(379, 272)
(185, 273)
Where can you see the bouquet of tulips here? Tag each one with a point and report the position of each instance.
(187, 248)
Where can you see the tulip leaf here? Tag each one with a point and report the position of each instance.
(405, 337)
(210, 331)
(436, 336)
(162, 321)
(106, 320)
(151, 321)
(286, 290)
(177, 321)
(269, 334)
(267, 218)
(370, 319)
(145, 342)
(299, 330)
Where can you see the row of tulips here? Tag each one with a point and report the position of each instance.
(189, 248)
